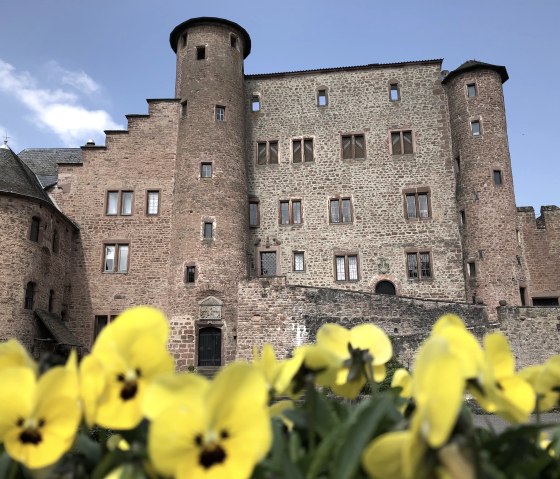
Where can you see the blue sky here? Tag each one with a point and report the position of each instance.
(70, 69)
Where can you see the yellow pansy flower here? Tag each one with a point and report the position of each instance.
(39, 417)
(499, 389)
(12, 353)
(402, 379)
(220, 432)
(278, 374)
(129, 353)
(361, 354)
(545, 380)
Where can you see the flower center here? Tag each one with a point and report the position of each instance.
(31, 434)
(211, 453)
(130, 384)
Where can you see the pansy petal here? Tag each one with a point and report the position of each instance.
(92, 385)
(517, 399)
(374, 339)
(17, 393)
(498, 353)
(335, 339)
(402, 379)
(12, 353)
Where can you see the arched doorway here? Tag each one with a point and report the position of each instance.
(210, 346)
(385, 287)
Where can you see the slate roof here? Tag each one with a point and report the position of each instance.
(57, 328)
(17, 178)
(471, 65)
(43, 161)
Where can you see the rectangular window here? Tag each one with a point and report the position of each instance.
(346, 267)
(268, 263)
(233, 40)
(190, 274)
(457, 164)
(417, 205)
(208, 230)
(152, 204)
(34, 231)
(299, 261)
(254, 214)
(498, 180)
(475, 128)
(126, 203)
(471, 90)
(322, 99)
(394, 94)
(201, 52)
(100, 322)
(184, 109)
(418, 265)
(115, 258)
(340, 210)
(256, 103)
(220, 113)
(112, 202)
(302, 150)
(353, 147)
(401, 142)
(206, 170)
(267, 152)
(471, 265)
(463, 217)
(290, 212)
(522, 295)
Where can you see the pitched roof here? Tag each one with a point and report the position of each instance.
(57, 328)
(44, 161)
(17, 178)
(471, 65)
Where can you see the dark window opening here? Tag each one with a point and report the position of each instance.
(290, 212)
(268, 263)
(417, 205)
(475, 128)
(190, 274)
(522, 292)
(208, 230)
(418, 265)
(55, 242)
(200, 53)
(385, 287)
(184, 109)
(29, 295)
(51, 301)
(206, 170)
(302, 150)
(256, 103)
(401, 142)
(457, 164)
(471, 269)
(267, 152)
(340, 210)
(545, 301)
(233, 41)
(463, 217)
(220, 113)
(497, 175)
(346, 267)
(471, 90)
(353, 146)
(254, 214)
(34, 232)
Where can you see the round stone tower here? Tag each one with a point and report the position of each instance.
(210, 218)
(485, 198)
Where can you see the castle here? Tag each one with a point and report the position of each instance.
(252, 208)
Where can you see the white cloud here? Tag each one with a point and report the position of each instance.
(58, 110)
(80, 80)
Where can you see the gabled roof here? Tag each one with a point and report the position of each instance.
(471, 65)
(43, 161)
(56, 327)
(16, 177)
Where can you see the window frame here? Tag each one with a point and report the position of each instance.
(290, 212)
(322, 93)
(256, 224)
(341, 200)
(294, 262)
(190, 268)
(148, 192)
(259, 253)
(29, 296)
(420, 276)
(122, 203)
(35, 229)
(352, 137)
(397, 89)
(206, 164)
(119, 205)
(233, 41)
(416, 192)
(219, 113)
(401, 133)
(255, 100)
(267, 144)
(117, 244)
(109, 317)
(200, 52)
(302, 151)
(475, 88)
(184, 109)
(476, 121)
(471, 269)
(346, 271)
(498, 174)
(208, 230)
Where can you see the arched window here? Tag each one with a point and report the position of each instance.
(210, 347)
(29, 295)
(385, 287)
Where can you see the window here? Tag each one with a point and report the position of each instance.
(51, 301)
(471, 90)
(418, 265)
(417, 205)
(184, 40)
(29, 295)
(346, 267)
(522, 295)
(220, 113)
(394, 93)
(462, 217)
(208, 230)
(55, 242)
(353, 146)
(267, 152)
(268, 263)
(34, 231)
(206, 170)
(340, 210)
(471, 269)
(190, 274)
(184, 109)
(299, 261)
(119, 201)
(475, 128)
(115, 258)
(152, 203)
(302, 150)
(457, 165)
(497, 175)
(254, 217)
(401, 142)
(233, 40)
(255, 103)
(101, 320)
(201, 52)
(290, 212)
(322, 98)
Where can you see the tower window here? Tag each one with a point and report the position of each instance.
(394, 93)
(184, 40)
(267, 152)
(34, 231)
(208, 230)
(340, 210)
(255, 103)
(268, 263)
(417, 205)
(233, 40)
(116, 258)
(220, 113)
(299, 261)
(419, 265)
(322, 98)
(471, 265)
(152, 203)
(463, 217)
(201, 52)
(302, 150)
(254, 213)
(471, 90)
(401, 142)
(497, 175)
(457, 164)
(190, 274)
(353, 147)
(29, 295)
(184, 109)
(51, 301)
(206, 170)
(475, 128)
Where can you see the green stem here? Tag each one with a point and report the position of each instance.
(310, 400)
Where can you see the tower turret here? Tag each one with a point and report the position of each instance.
(485, 196)
(210, 220)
